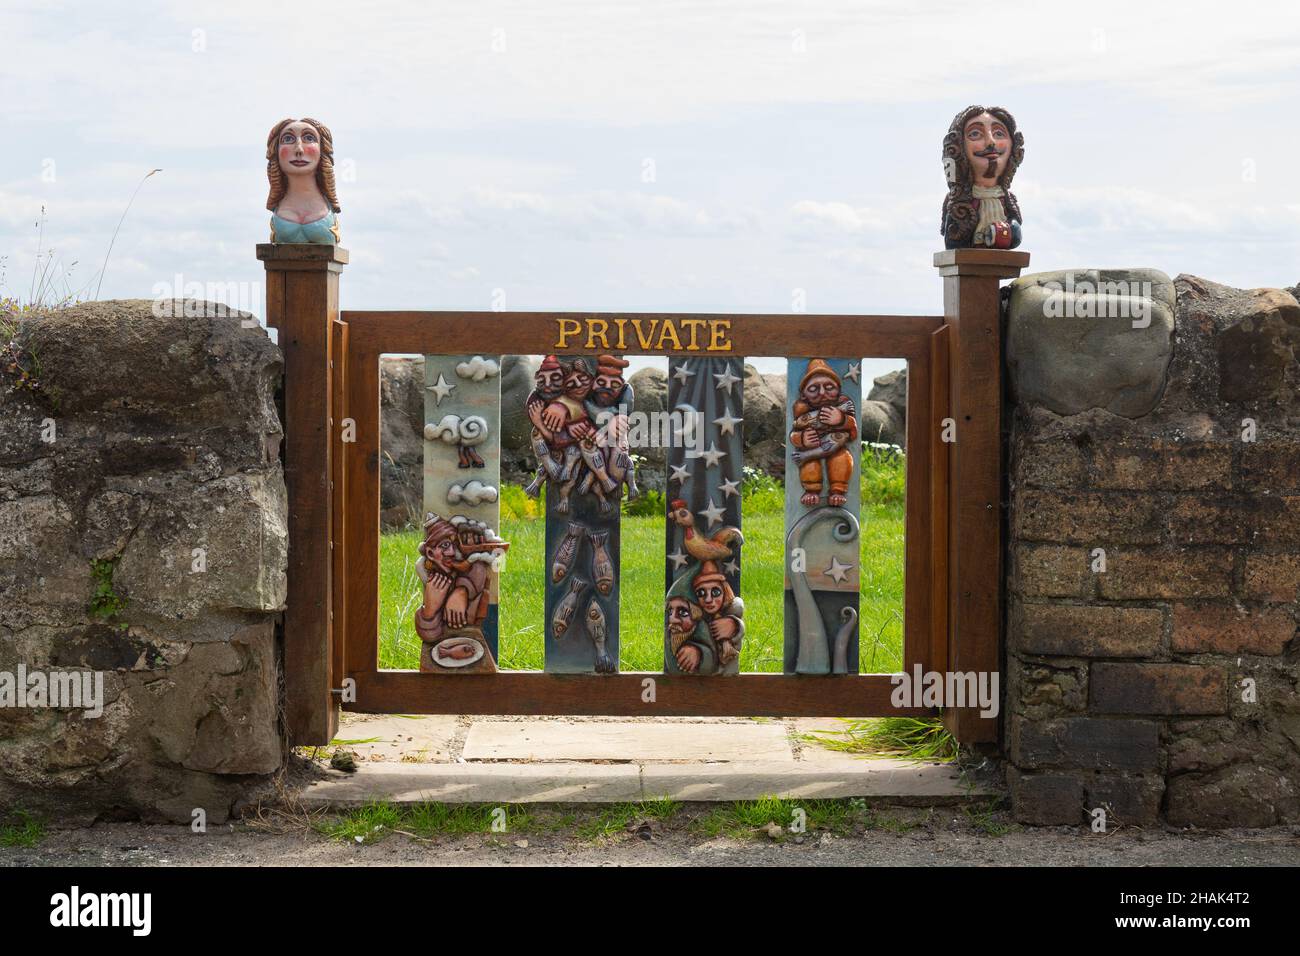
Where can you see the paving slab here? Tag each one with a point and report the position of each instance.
(627, 741)
(421, 739)
(896, 779)
(471, 783)
(573, 782)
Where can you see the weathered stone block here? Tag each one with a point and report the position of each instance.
(1046, 799)
(1257, 352)
(1231, 629)
(1196, 519)
(1162, 465)
(1277, 522)
(1085, 743)
(1241, 795)
(1082, 339)
(1215, 742)
(1128, 801)
(1272, 577)
(1041, 689)
(1167, 689)
(1155, 574)
(1087, 517)
(1043, 570)
(1049, 464)
(237, 527)
(1271, 466)
(1088, 630)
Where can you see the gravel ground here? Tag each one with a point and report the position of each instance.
(942, 840)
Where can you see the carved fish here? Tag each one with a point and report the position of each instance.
(602, 568)
(543, 453)
(597, 630)
(563, 616)
(566, 551)
(594, 457)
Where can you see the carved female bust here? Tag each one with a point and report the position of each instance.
(981, 153)
(300, 170)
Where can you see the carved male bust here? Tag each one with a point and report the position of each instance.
(981, 153)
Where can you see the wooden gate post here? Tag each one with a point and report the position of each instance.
(302, 303)
(971, 310)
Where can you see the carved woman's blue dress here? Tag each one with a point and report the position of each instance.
(324, 230)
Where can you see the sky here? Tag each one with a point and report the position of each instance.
(599, 156)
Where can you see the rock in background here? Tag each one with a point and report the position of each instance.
(401, 442)
(884, 413)
(146, 542)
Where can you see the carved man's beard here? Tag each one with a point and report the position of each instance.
(992, 154)
(550, 387)
(608, 396)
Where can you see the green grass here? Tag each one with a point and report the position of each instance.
(641, 579)
(743, 819)
(376, 821)
(21, 829)
(910, 738)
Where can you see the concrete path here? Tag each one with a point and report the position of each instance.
(588, 760)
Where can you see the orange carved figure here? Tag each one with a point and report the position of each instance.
(825, 424)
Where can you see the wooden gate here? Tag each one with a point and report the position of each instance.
(952, 603)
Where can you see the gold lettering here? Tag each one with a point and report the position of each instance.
(669, 330)
(596, 328)
(693, 325)
(645, 340)
(621, 345)
(719, 341)
(566, 332)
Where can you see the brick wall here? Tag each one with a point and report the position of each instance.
(1128, 682)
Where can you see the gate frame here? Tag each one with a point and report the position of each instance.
(332, 374)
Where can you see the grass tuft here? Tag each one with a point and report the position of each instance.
(910, 738)
(21, 829)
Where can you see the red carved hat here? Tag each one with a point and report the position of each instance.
(610, 365)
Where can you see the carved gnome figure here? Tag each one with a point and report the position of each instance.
(981, 152)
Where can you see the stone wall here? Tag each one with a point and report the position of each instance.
(1160, 685)
(142, 537)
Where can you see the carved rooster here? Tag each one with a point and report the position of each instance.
(714, 547)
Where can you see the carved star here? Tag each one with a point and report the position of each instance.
(679, 473)
(729, 488)
(713, 513)
(727, 423)
(712, 456)
(837, 570)
(441, 390)
(854, 372)
(731, 567)
(725, 379)
(678, 559)
(683, 373)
